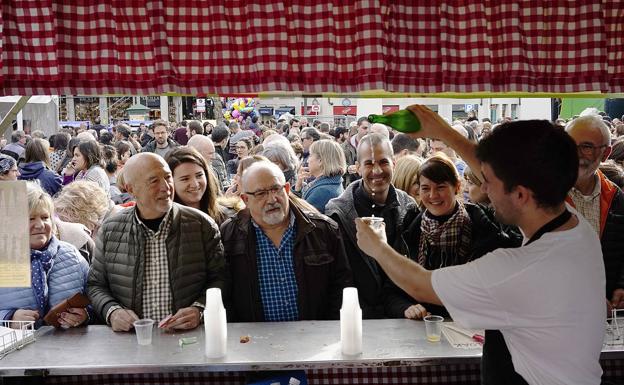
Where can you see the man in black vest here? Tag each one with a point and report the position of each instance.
(528, 297)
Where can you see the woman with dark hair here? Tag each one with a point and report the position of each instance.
(124, 150)
(87, 162)
(447, 232)
(36, 167)
(62, 167)
(61, 140)
(243, 147)
(195, 184)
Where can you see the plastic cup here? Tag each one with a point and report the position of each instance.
(433, 327)
(374, 222)
(144, 328)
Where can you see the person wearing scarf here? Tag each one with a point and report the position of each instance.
(447, 232)
(58, 271)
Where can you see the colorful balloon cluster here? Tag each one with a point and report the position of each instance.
(239, 109)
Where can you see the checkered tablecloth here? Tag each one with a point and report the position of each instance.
(92, 47)
(448, 374)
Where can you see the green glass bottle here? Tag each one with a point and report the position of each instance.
(402, 120)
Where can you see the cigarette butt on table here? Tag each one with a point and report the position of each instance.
(187, 341)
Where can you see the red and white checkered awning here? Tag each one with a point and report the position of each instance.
(312, 46)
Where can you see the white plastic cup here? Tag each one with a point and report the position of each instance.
(144, 328)
(374, 222)
(433, 327)
(215, 324)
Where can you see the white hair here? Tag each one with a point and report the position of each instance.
(592, 121)
(590, 111)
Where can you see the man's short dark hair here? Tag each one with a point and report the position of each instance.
(195, 125)
(124, 130)
(535, 154)
(106, 137)
(61, 139)
(339, 131)
(312, 132)
(219, 133)
(361, 119)
(183, 123)
(402, 142)
(323, 127)
(158, 123)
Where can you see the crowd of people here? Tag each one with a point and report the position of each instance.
(144, 221)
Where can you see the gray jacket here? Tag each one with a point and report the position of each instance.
(194, 250)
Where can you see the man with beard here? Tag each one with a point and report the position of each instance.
(599, 200)
(161, 144)
(284, 263)
(373, 195)
(157, 258)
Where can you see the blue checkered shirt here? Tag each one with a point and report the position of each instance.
(276, 274)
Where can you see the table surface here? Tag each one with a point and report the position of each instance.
(272, 346)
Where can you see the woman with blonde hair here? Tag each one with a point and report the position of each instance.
(327, 165)
(56, 268)
(195, 184)
(405, 175)
(83, 202)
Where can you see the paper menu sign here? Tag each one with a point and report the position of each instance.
(14, 235)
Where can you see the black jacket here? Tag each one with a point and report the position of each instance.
(612, 242)
(486, 237)
(320, 265)
(368, 276)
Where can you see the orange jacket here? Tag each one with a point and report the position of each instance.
(607, 192)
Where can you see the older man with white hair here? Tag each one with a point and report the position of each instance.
(156, 259)
(286, 263)
(599, 200)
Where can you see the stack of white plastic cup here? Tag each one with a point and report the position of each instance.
(215, 324)
(350, 322)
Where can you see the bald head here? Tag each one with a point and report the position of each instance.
(137, 165)
(203, 145)
(381, 129)
(261, 171)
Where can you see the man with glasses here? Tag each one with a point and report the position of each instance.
(284, 262)
(599, 200)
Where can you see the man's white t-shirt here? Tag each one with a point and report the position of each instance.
(547, 299)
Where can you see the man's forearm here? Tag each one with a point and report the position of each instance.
(414, 279)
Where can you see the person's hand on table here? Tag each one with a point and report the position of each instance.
(185, 319)
(25, 315)
(417, 311)
(74, 317)
(370, 241)
(122, 320)
(431, 124)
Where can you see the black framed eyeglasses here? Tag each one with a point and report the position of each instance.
(263, 194)
(590, 149)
